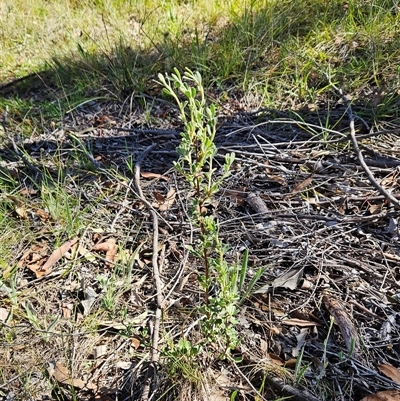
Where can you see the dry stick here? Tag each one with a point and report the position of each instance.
(294, 394)
(152, 369)
(360, 157)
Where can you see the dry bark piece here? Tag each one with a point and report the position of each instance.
(346, 326)
(256, 203)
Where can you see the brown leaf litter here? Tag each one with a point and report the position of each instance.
(297, 199)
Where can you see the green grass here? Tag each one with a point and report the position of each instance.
(277, 49)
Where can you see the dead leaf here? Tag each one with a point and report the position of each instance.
(90, 298)
(86, 254)
(19, 206)
(289, 280)
(390, 371)
(299, 187)
(35, 257)
(276, 330)
(28, 191)
(54, 258)
(159, 197)
(42, 247)
(375, 209)
(62, 374)
(291, 363)
(67, 310)
(135, 343)
(236, 196)
(391, 180)
(99, 351)
(103, 397)
(103, 121)
(389, 395)
(21, 211)
(111, 254)
(276, 359)
(263, 346)
(306, 285)
(110, 247)
(148, 174)
(43, 215)
(277, 178)
(35, 267)
(216, 392)
(124, 365)
(146, 255)
(299, 322)
(102, 246)
(169, 200)
(4, 314)
(301, 339)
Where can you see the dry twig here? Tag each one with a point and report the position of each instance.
(294, 393)
(152, 368)
(360, 157)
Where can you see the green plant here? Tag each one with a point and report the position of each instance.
(197, 152)
(325, 362)
(196, 164)
(10, 290)
(300, 370)
(108, 284)
(181, 357)
(41, 326)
